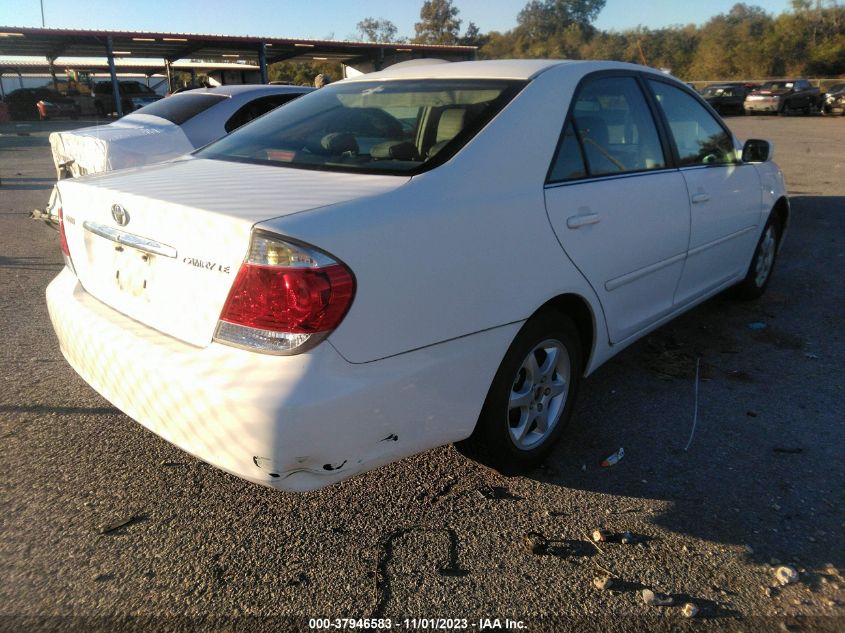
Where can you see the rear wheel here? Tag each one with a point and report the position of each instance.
(762, 264)
(531, 398)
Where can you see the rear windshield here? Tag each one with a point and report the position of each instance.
(396, 127)
(180, 107)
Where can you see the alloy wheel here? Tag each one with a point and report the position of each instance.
(538, 395)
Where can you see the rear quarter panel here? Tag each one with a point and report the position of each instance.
(462, 248)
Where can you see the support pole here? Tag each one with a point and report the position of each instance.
(53, 74)
(193, 78)
(262, 61)
(115, 86)
(169, 77)
(20, 78)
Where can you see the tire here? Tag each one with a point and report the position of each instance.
(762, 264)
(526, 410)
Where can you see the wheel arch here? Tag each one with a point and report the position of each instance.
(581, 312)
(780, 214)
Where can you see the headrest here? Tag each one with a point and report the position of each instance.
(397, 150)
(339, 142)
(451, 122)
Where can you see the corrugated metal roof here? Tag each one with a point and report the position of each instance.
(54, 43)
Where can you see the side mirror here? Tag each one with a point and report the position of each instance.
(756, 151)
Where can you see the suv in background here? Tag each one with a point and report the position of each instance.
(133, 95)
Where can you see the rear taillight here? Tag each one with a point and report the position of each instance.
(286, 297)
(63, 238)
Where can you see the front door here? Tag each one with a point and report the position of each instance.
(724, 193)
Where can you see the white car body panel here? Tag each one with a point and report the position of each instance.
(183, 295)
(726, 224)
(140, 139)
(636, 285)
(265, 418)
(448, 264)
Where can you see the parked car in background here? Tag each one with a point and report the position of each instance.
(833, 100)
(40, 103)
(727, 98)
(422, 255)
(133, 95)
(165, 128)
(791, 96)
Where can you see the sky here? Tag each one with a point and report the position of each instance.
(330, 19)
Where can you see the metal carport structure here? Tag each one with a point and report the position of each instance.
(170, 47)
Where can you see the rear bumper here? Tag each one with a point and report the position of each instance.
(762, 106)
(294, 423)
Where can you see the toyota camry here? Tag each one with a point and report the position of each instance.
(424, 255)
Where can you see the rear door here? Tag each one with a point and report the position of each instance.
(724, 193)
(618, 209)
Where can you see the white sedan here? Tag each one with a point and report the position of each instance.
(423, 255)
(166, 128)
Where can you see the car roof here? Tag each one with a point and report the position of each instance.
(238, 89)
(523, 69)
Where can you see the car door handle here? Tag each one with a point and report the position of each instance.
(582, 219)
(700, 197)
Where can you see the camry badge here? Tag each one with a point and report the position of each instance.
(120, 215)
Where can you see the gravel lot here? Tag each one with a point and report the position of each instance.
(101, 520)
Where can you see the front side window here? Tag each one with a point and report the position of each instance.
(373, 127)
(615, 127)
(699, 138)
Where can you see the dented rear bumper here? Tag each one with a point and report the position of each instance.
(294, 423)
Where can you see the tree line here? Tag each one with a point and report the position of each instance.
(745, 43)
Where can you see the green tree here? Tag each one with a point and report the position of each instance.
(543, 19)
(378, 30)
(439, 23)
(473, 36)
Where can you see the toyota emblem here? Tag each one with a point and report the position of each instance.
(120, 215)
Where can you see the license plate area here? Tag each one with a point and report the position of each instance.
(133, 270)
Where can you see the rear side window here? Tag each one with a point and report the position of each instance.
(698, 136)
(569, 161)
(180, 107)
(255, 108)
(616, 130)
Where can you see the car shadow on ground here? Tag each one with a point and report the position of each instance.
(765, 466)
(17, 183)
(30, 263)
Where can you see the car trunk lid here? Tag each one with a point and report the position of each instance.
(119, 145)
(163, 244)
